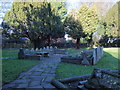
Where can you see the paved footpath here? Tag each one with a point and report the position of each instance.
(39, 76)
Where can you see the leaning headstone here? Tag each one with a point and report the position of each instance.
(21, 54)
(85, 61)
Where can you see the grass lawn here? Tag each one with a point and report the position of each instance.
(11, 68)
(109, 60)
(73, 50)
(9, 52)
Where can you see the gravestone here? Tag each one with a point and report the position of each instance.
(44, 48)
(40, 49)
(26, 51)
(21, 54)
(47, 47)
(32, 49)
(51, 47)
(85, 60)
(55, 47)
(36, 49)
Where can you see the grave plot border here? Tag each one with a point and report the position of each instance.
(97, 54)
(60, 83)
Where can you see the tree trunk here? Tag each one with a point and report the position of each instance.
(35, 44)
(49, 41)
(78, 43)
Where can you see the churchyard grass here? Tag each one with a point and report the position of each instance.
(9, 52)
(73, 50)
(11, 68)
(110, 60)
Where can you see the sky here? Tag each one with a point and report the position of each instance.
(71, 4)
(75, 4)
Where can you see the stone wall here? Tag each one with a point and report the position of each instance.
(28, 54)
(100, 78)
(37, 53)
(97, 54)
(86, 57)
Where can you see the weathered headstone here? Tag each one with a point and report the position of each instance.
(36, 49)
(32, 49)
(85, 60)
(44, 48)
(51, 47)
(21, 54)
(40, 49)
(55, 47)
(47, 47)
(26, 51)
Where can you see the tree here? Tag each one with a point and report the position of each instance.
(112, 19)
(60, 8)
(35, 20)
(74, 28)
(89, 20)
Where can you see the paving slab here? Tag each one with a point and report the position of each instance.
(36, 73)
(34, 83)
(10, 85)
(22, 86)
(48, 79)
(37, 78)
(40, 87)
(48, 85)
